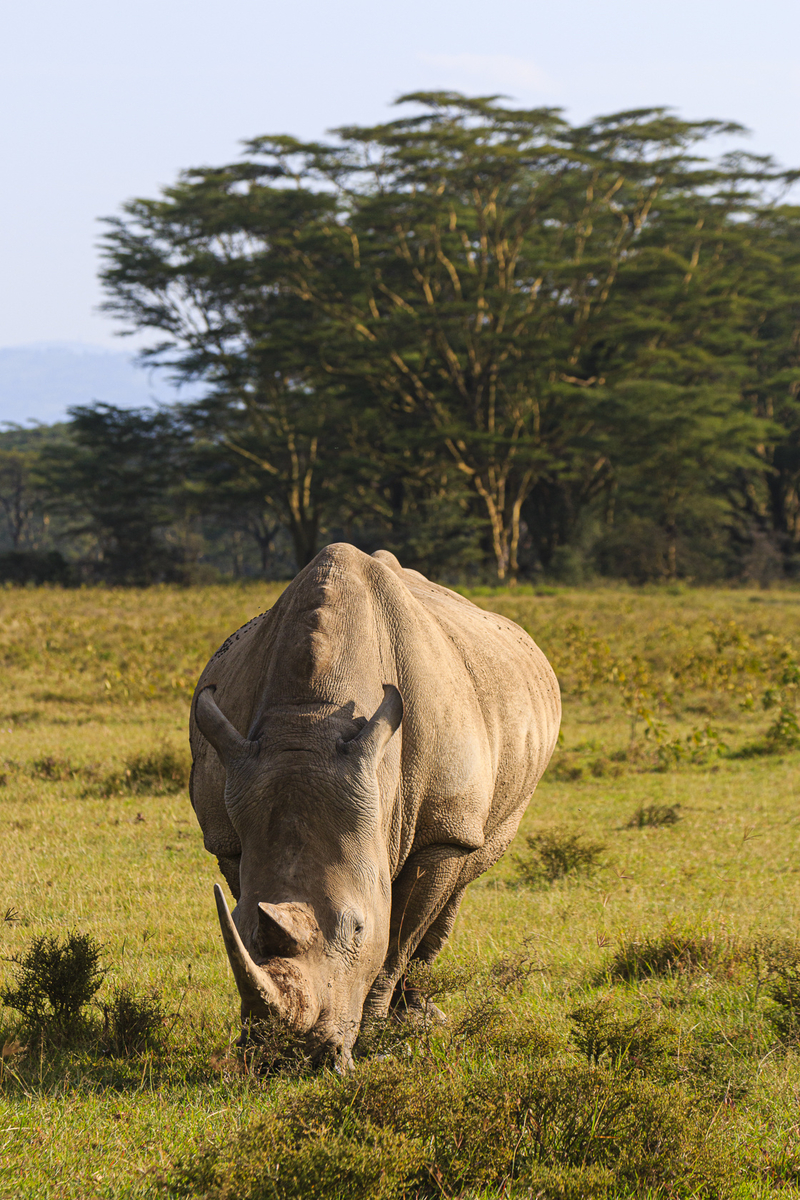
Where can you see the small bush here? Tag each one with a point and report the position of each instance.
(54, 981)
(554, 854)
(626, 1044)
(269, 1048)
(572, 766)
(490, 1027)
(285, 1160)
(673, 951)
(784, 732)
(654, 815)
(782, 736)
(428, 982)
(53, 769)
(785, 1016)
(133, 1022)
(779, 960)
(162, 773)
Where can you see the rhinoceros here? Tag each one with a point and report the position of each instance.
(361, 752)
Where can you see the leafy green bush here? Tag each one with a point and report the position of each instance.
(784, 732)
(54, 981)
(635, 1043)
(556, 853)
(673, 951)
(777, 962)
(133, 1022)
(782, 736)
(161, 773)
(290, 1160)
(654, 815)
(269, 1048)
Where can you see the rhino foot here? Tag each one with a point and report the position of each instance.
(409, 1007)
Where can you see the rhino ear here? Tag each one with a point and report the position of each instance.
(217, 729)
(370, 744)
(285, 930)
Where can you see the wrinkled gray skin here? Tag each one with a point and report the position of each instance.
(362, 752)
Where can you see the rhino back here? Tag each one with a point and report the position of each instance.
(481, 702)
(486, 713)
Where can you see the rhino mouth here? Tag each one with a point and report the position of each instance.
(277, 989)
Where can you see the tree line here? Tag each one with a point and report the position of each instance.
(497, 343)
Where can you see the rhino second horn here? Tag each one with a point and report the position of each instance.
(217, 729)
(285, 929)
(260, 994)
(371, 741)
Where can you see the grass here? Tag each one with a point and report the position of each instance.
(659, 991)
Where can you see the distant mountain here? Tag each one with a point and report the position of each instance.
(40, 382)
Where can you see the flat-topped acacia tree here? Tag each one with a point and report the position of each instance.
(476, 279)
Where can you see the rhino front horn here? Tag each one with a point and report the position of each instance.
(217, 729)
(261, 995)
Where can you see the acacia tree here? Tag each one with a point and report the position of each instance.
(17, 495)
(480, 248)
(680, 418)
(769, 500)
(207, 266)
(115, 478)
(24, 525)
(488, 284)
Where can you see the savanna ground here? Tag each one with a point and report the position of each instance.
(623, 987)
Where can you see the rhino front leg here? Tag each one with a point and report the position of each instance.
(425, 900)
(229, 866)
(408, 1002)
(440, 930)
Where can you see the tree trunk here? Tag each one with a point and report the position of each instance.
(305, 535)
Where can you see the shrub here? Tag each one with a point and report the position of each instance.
(554, 854)
(653, 815)
(779, 958)
(494, 1028)
(161, 773)
(133, 1022)
(782, 736)
(784, 732)
(544, 1128)
(637, 1043)
(286, 1160)
(54, 981)
(673, 951)
(270, 1048)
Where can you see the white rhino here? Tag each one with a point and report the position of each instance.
(362, 752)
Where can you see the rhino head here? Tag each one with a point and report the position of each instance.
(310, 932)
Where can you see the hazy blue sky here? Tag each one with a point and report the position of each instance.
(103, 101)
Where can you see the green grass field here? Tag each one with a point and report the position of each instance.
(677, 946)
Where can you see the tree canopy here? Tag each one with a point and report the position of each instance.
(482, 335)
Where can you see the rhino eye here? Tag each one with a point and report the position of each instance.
(351, 929)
